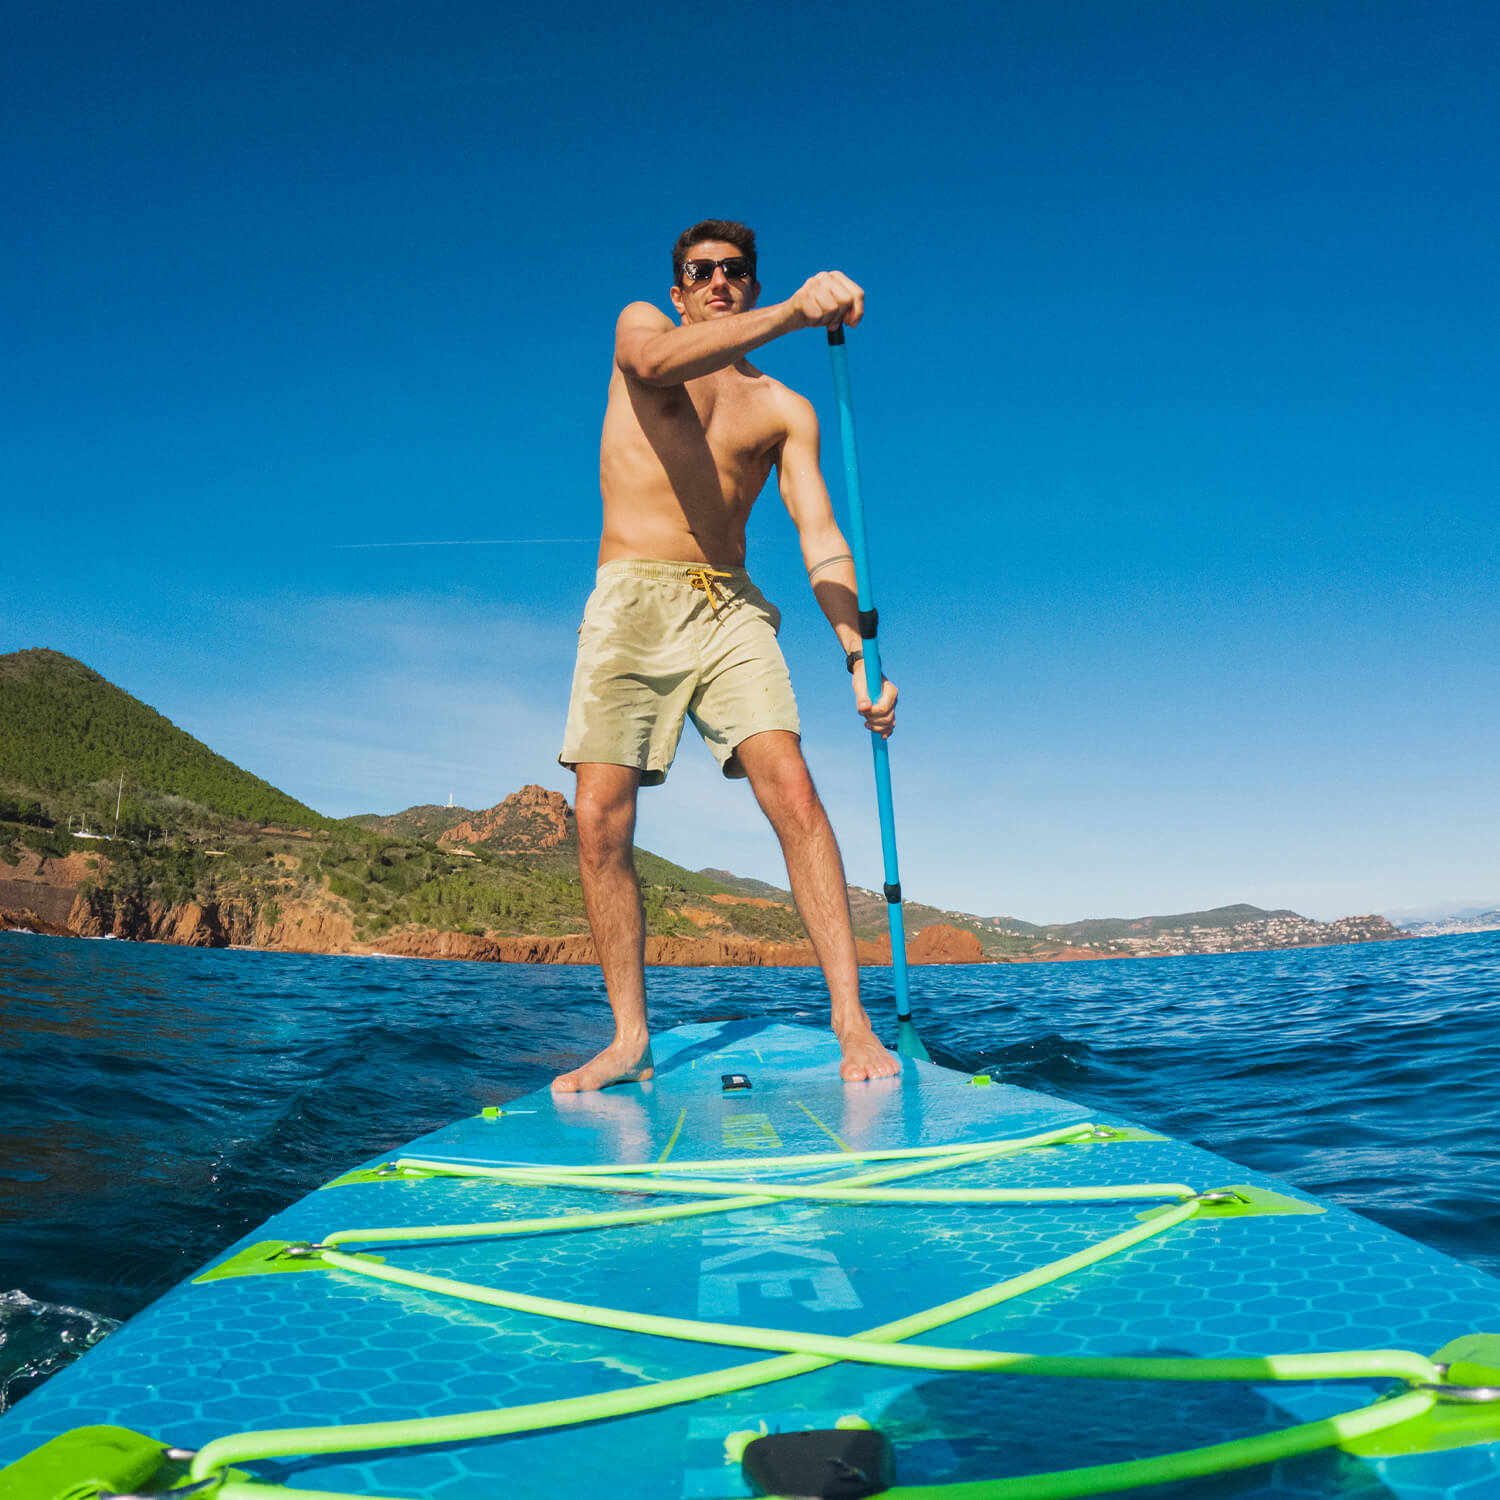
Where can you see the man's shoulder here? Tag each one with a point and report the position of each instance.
(781, 414)
(643, 315)
(794, 410)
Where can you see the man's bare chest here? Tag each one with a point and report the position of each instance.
(738, 424)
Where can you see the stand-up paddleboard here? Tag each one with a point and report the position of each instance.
(745, 1276)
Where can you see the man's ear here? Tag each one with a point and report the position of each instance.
(676, 295)
(754, 296)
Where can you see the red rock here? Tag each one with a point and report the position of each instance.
(942, 944)
(527, 822)
(937, 944)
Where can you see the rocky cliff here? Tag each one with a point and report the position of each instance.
(297, 928)
(526, 822)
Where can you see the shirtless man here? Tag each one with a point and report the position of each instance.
(675, 628)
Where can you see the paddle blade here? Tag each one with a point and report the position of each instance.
(908, 1043)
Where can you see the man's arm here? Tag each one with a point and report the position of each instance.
(651, 348)
(830, 564)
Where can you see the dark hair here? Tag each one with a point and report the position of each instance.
(739, 235)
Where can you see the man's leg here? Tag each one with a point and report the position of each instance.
(784, 789)
(605, 809)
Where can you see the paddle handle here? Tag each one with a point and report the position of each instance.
(874, 680)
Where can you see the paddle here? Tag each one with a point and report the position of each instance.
(908, 1043)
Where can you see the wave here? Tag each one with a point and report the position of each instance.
(38, 1338)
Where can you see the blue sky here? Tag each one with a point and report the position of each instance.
(1176, 396)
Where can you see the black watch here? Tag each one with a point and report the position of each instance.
(850, 657)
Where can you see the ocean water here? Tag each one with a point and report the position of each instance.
(157, 1103)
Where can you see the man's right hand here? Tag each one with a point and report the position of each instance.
(880, 716)
(826, 299)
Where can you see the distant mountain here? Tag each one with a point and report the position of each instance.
(64, 728)
(1016, 925)
(1466, 921)
(1107, 929)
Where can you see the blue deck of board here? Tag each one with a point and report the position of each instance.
(322, 1347)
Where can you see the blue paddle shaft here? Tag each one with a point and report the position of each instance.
(874, 677)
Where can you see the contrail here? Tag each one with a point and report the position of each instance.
(500, 541)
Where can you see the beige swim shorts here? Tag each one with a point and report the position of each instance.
(664, 641)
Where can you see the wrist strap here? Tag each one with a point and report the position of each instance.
(850, 657)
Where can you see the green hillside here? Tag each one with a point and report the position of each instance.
(743, 885)
(66, 734)
(193, 826)
(424, 822)
(392, 883)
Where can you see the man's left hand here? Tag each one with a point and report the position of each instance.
(880, 717)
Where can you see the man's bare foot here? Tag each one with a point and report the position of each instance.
(620, 1062)
(864, 1057)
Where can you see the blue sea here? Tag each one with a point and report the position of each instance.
(157, 1103)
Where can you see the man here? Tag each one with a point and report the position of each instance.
(675, 628)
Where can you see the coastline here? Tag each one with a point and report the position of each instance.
(313, 931)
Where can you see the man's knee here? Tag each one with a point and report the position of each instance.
(604, 810)
(784, 787)
(801, 806)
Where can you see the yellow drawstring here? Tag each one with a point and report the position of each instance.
(703, 578)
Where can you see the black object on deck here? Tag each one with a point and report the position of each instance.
(836, 1463)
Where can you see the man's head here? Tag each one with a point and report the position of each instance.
(713, 270)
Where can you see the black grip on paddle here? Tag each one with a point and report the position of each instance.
(893, 893)
(836, 334)
(869, 623)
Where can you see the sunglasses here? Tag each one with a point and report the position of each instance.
(736, 268)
